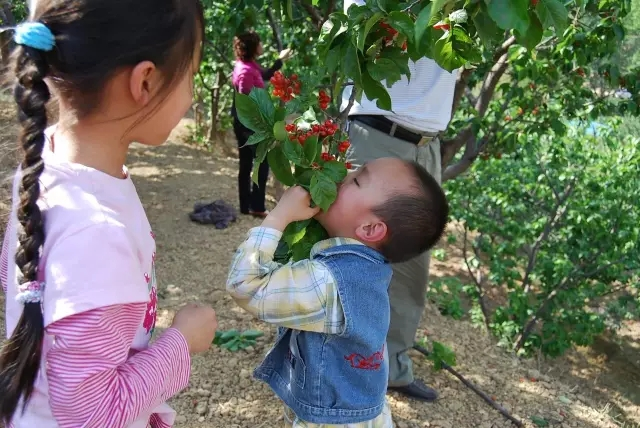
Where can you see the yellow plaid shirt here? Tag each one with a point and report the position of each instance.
(300, 296)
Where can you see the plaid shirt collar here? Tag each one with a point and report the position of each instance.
(332, 242)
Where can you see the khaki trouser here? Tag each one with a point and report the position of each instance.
(409, 283)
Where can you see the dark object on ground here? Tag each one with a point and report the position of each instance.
(416, 390)
(218, 213)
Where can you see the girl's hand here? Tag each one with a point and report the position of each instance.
(293, 206)
(198, 325)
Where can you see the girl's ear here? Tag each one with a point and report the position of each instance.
(142, 82)
(372, 233)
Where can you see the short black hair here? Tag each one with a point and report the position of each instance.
(415, 219)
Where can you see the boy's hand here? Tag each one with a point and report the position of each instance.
(293, 206)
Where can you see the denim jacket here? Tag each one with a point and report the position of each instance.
(338, 379)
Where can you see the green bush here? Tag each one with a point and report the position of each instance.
(557, 225)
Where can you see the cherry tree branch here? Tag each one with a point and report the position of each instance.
(466, 138)
(477, 279)
(472, 387)
(344, 114)
(555, 216)
(461, 87)
(277, 38)
(577, 273)
(314, 14)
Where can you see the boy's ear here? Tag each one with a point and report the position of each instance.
(372, 233)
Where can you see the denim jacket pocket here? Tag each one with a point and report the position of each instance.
(298, 366)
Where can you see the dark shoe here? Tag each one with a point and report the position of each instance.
(259, 214)
(416, 390)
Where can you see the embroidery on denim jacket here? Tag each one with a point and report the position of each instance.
(372, 362)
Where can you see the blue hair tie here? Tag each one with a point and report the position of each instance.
(35, 35)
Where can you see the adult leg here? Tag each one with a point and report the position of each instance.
(259, 190)
(407, 295)
(245, 154)
(408, 284)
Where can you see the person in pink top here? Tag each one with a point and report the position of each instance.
(247, 74)
(78, 258)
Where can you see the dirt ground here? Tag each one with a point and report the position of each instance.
(589, 388)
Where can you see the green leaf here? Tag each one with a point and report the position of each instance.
(265, 104)
(309, 116)
(261, 155)
(289, 5)
(295, 231)
(400, 59)
(229, 334)
(533, 36)
(335, 170)
(375, 91)
(249, 113)
(228, 345)
(277, 9)
(311, 148)
(509, 14)
(367, 28)
(541, 422)
(294, 152)
(332, 59)
(486, 27)
(301, 250)
(351, 64)
(252, 334)
(216, 338)
(335, 25)
(258, 137)
(303, 175)
(280, 114)
(553, 13)
(446, 56)
(403, 23)
(387, 5)
(315, 231)
(442, 354)
(437, 6)
(323, 190)
(422, 24)
(279, 131)
(385, 70)
(280, 166)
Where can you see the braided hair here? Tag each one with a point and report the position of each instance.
(77, 67)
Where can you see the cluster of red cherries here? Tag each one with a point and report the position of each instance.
(323, 99)
(326, 129)
(285, 88)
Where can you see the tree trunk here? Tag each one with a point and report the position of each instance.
(213, 136)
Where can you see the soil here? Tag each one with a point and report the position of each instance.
(589, 388)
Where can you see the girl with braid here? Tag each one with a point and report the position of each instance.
(78, 259)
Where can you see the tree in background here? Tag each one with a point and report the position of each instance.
(530, 72)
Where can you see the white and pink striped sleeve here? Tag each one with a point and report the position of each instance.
(4, 258)
(92, 379)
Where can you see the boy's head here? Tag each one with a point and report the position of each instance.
(392, 205)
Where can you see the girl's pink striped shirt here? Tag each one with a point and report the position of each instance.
(99, 307)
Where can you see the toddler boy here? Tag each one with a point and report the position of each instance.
(329, 363)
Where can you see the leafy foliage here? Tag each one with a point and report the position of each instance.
(556, 224)
(440, 354)
(309, 152)
(234, 340)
